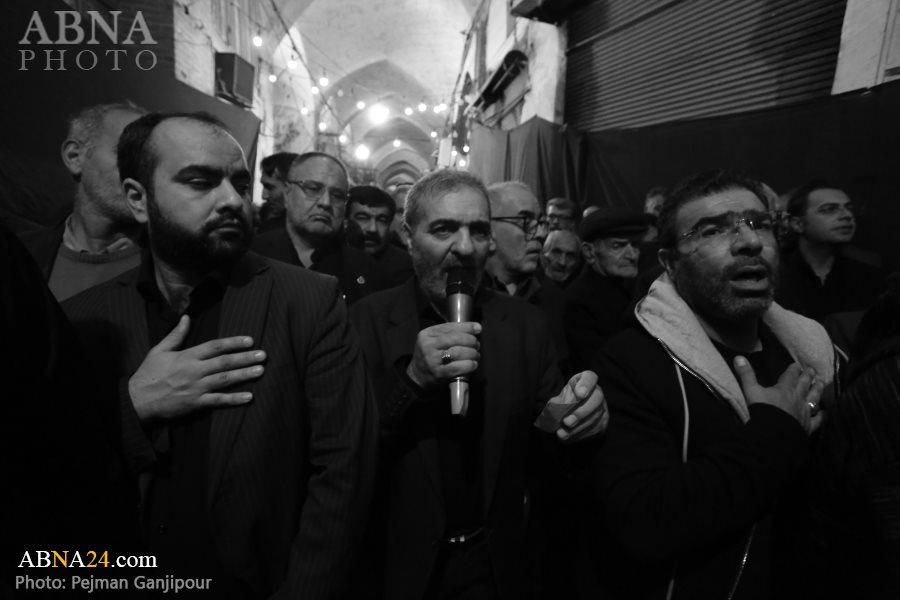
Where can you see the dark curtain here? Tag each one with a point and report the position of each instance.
(531, 153)
(852, 139)
(35, 188)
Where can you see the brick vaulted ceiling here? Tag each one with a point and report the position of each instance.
(394, 52)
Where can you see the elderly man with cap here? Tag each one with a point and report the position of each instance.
(597, 300)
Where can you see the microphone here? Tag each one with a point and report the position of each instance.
(460, 291)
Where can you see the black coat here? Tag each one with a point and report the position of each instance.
(689, 519)
(357, 274)
(519, 370)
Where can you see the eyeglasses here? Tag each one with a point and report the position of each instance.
(833, 208)
(727, 227)
(316, 189)
(528, 225)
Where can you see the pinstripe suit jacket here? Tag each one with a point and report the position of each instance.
(291, 473)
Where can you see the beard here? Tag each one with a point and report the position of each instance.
(433, 277)
(206, 249)
(712, 295)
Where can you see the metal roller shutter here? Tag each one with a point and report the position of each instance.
(633, 63)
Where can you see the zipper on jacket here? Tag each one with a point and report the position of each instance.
(746, 554)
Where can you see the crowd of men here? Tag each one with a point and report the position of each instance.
(339, 395)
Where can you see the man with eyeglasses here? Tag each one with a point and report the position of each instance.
(316, 200)
(562, 213)
(714, 390)
(818, 277)
(520, 228)
(453, 521)
(597, 299)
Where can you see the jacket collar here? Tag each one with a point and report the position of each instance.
(668, 318)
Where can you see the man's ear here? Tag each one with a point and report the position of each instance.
(72, 152)
(666, 259)
(136, 198)
(492, 245)
(796, 224)
(587, 252)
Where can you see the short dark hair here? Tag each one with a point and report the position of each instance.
(136, 156)
(699, 186)
(437, 184)
(798, 201)
(373, 197)
(563, 203)
(302, 158)
(278, 164)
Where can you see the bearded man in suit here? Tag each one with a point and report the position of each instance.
(255, 476)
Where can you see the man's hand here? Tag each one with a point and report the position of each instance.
(589, 419)
(443, 352)
(171, 382)
(797, 392)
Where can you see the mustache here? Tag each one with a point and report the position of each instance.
(743, 263)
(228, 218)
(371, 237)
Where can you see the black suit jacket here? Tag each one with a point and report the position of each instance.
(291, 473)
(519, 368)
(356, 271)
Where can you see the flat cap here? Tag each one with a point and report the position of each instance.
(613, 221)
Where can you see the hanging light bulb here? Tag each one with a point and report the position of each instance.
(322, 126)
(323, 81)
(434, 134)
(408, 111)
(314, 90)
(422, 107)
(273, 78)
(342, 138)
(462, 162)
(304, 111)
(360, 105)
(466, 148)
(257, 40)
(362, 152)
(396, 143)
(292, 64)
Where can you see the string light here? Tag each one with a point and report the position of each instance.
(273, 78)
(322, 126)
(342, 138)
(257, 40)
(314, 90)
(360, 105)
(408, 111)
(466, 148)
(323, 81)
(292, 64)
(434, 134)
(304, 111)
(396, 143)
(422, 107)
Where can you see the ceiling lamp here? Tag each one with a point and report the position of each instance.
(434, 134)
(314, 90)
(322, 126)
(292, 64)
(323, 81)
(342, 138)
(304, 111)
(273, 78)
(408, 111)
(257, 40)
(422, 107)
(362, 152)
(379, 113)
(396, 143)
(360, 105)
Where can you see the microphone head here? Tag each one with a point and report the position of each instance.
(460, 281)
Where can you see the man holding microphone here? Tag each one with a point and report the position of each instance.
(456, 476)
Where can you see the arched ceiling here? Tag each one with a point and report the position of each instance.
(394, 52)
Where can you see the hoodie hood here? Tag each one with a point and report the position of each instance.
(668, 318)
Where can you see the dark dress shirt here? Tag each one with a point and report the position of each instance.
(851, 285)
